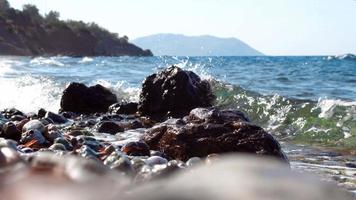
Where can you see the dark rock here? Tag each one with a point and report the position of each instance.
(10, 131)
(41, 113)
(214, 115)
(351, 165)
(109, 127)
(126, 108)
(135, 124)
(79, 98)
(46, 121)
(8, 113)
(174, 92)
(59, 119)
(64, 142)
(199, 138)
(17, 118)
(136, 149)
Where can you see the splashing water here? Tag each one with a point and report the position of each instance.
(305, 99)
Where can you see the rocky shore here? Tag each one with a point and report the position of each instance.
(97, 147)
(28, 33)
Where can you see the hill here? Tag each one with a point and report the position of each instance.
(181, 45)
(27, 33)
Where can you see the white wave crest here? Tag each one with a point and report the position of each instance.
(122, 90)
(29, 93)
(46, 61)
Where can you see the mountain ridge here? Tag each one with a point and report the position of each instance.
(204, 45)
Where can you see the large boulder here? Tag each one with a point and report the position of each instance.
(210, 131)
(174, 92)
(79, 98)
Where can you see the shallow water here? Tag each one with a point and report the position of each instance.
(301, 100)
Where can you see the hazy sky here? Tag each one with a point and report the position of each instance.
(274, 27)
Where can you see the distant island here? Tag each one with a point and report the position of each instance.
(181, 45)
(28, 33)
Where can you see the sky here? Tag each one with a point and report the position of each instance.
(274, 27)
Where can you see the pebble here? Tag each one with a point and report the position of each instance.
(136, 149)
(32, 135)
(156, 160)
(109, 127)
(56, 118)
(10, 131)
(194, 161)
(34, 125)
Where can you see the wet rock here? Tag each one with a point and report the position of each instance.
(58, 147)
(33, 138)
(174, 92)
(64, 142)
(126, 108)
(136, 149)
(10, 131)
(17, 118)
(109, 127)
(8, 113)
(123, 164)
(214, 115)
(58, 119)
(79, 98)
(46, 121)
(135, 124)
(52, 133)
(34, 125)
(21, 123)
(156, 160)
(193, 161)
(41, 113)
(199, 138)
(86, 152)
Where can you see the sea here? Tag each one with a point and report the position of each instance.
(307, 103)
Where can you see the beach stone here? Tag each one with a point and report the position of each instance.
(33, 135)
(79, 98)
(136, 149)
(193, 161)
(199, 138)
(9, 112)
(17, 118)
(109, 127)
(126, 108)
(174, 92)
(59, 119)
(10, 131)
(156, 160)
(123, 164)
(34, 125)
(58, 147)
(52, 133)
(41, 113)
(64, 142)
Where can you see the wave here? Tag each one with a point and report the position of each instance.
(30, 93)
(349, 56)
(326, 122)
